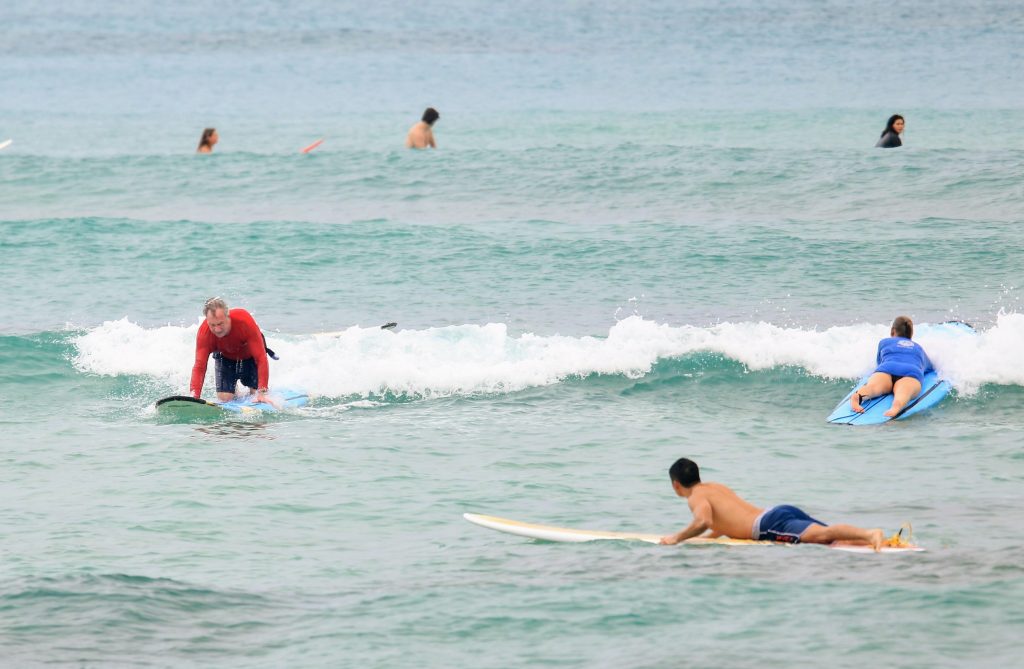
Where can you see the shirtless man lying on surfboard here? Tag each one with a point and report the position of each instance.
(717, 508)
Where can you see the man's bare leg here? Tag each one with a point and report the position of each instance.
(905, 389)
(880, 383)
(225, 397)
(819, 534)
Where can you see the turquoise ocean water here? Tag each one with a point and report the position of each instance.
(651, 230)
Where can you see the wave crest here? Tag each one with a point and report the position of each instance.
(482, 359)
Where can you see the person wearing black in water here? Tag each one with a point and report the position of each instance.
(890, 138)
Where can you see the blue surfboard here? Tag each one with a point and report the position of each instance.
(184, 405)
(933, 390)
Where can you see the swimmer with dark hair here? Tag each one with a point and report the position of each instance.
(890, 138)
(421, 135)
(208, 140)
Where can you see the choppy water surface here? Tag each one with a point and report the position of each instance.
(651, 230)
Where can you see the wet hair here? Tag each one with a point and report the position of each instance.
(213, 304)
(430, 115)
(903, 327)
(892, 119)
(205, 139)
(685, 472)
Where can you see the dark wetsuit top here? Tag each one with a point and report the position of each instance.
(899, 356)
(889, 140)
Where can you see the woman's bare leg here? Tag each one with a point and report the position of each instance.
(880, 383)
(905, 389)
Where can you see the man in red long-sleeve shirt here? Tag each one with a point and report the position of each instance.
(238, 347)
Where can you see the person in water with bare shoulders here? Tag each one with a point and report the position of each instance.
(901, 366)
(717, 508)
(421, 135)
(208, 140)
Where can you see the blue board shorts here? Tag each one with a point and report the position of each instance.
(782, 523)
(229, 372)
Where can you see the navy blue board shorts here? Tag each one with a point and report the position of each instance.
(229, 372)
(782, 523)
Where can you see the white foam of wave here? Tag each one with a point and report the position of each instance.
(122, 347)
(994, 356)
(468, 359)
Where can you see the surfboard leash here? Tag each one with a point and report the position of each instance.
(853, 414)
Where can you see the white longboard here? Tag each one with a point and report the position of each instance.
(5, 144)
(571, 535)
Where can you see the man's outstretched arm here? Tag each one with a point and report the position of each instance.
(700, 524)
(199, 367)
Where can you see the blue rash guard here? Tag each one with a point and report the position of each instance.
(900, 356)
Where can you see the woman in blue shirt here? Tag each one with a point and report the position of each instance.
(901, 366)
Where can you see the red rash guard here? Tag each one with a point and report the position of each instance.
(244, 341)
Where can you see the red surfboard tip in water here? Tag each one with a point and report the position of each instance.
(313, 145)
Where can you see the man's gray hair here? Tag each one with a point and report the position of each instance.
(213, 304)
